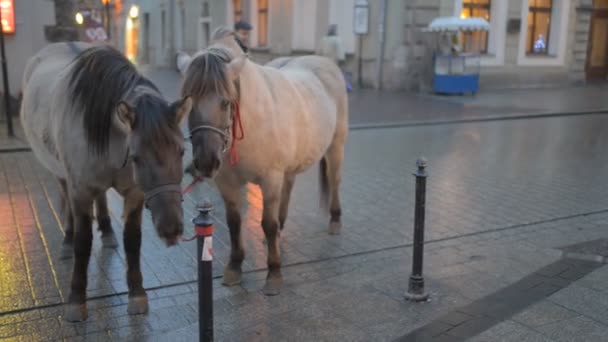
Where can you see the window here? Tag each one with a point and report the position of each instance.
(539, 24)
(475, 41)
(237, 6)
(163, 30)
(262, 22)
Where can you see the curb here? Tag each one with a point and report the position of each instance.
(507, 117)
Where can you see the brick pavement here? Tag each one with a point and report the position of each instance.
(502, 196)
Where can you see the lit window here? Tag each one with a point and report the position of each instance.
(237, 5)
(262, 22)
(476, 41)
(539, 24)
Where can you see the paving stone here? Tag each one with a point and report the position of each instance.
(543, 313)
(509, 331)
(584, 301)
(575, 329)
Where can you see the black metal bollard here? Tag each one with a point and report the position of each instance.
(203, 226)
(416, 291)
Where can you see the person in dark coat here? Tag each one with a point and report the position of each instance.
(242, 29)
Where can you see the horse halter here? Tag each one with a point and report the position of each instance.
(225, 134)
(148, 195)
(229, 132)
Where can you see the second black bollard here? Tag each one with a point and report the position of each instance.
(416, 291)
(203, 226)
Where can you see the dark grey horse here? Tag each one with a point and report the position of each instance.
(96, 123)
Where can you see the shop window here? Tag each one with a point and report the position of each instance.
(477, 41)
(539, 27)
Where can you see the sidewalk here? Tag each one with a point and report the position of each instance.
(371, 108)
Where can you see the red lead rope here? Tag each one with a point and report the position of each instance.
(236, 124)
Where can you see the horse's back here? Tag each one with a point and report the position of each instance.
(45, 72)
(309, 95)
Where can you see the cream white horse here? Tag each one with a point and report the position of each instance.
(94, 122)
(265, 125)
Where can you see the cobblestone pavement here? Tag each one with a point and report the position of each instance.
(502, 196)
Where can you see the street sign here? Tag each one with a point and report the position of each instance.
(96, 34)
(361, 17)
(8, 16)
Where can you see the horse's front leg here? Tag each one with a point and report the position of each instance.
(82, 209)
(271, 191)
(138, 299)
(231, 193)
(108, 238)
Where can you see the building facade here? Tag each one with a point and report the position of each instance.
(30, 17)
(396, 53)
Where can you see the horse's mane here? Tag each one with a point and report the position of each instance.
(207, 75)
(99, 79)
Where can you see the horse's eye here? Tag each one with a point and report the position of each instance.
(225, 104)
(181, 152)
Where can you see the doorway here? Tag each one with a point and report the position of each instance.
(597, 55)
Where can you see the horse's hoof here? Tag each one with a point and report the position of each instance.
(232, 276)
(76, 312)
(108, 240)
(334, 228)
(273, 285)
(67, 251)
(138, 305)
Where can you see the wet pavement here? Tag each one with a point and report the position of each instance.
(505, 199)
(502, 196)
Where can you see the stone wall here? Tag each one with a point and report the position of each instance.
(418, 46)
(578, 59)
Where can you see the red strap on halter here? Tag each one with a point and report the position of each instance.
(236, 125)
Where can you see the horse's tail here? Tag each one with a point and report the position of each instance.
(323, 185)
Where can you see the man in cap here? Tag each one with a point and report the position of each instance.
(242, 29)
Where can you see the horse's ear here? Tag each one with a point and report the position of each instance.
(184, 107)
(235, 66)
(182, 62)
(124, 117)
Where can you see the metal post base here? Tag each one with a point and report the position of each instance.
(416, 291)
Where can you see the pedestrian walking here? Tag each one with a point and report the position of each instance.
(332, 48)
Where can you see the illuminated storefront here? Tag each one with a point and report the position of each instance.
(7, 9)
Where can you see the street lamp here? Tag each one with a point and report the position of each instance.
(79, 18)
(134, 12)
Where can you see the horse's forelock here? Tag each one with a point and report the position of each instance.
(153, 123)
(207, 74)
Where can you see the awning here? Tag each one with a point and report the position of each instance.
(447, 24)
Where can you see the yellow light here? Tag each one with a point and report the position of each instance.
(134, 12)
(463, 15)
(79, 18)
